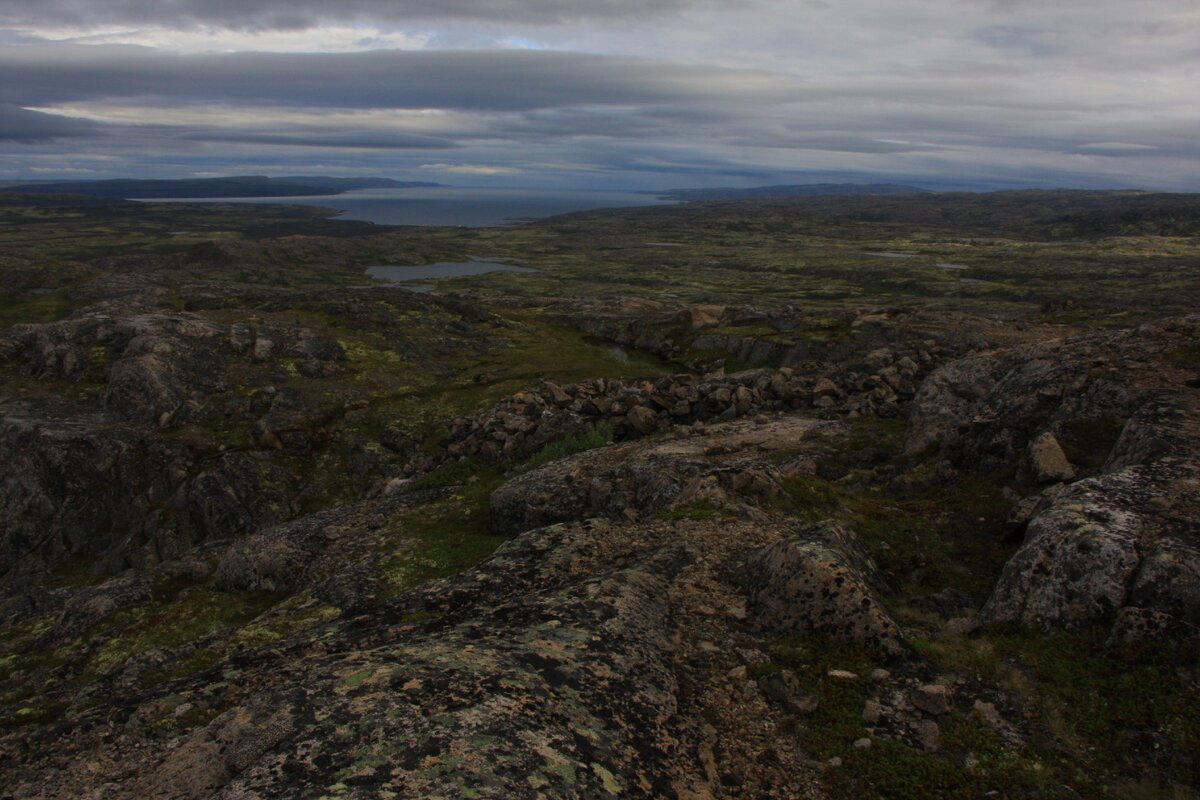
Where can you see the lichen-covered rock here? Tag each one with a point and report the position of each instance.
(822, 582)
(1122, 548)
(89, 485)
(984, 411)
(94, 603)
(647, 477)
(579, 661)
(316, 553)
(1048, 461)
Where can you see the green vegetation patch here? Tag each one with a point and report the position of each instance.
(924, 536)
(191, 616)
(699, 511)
(1098, 715)
(597, 435)
(444, 537)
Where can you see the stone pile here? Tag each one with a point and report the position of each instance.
(529, 420)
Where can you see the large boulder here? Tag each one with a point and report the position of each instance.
(822, 582)
(1120, 549)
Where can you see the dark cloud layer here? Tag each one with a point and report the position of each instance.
(498, 80)
(1089, 92)
(294, 14)
(22, 125)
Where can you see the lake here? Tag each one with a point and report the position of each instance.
(442, 269)
(457, 206)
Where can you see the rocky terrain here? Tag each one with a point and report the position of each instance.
(267, 541)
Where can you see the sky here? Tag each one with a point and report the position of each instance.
(629, 94)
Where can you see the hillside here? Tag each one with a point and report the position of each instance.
(811, 497)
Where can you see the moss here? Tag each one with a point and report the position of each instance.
(197, 613)
(292, 615)
(44, 711)
(612, 784)
(358, 678)
(444, 537)
(701, 510)
(597, 435)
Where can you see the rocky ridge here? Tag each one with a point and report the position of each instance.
(623, 642)
(1119, 547)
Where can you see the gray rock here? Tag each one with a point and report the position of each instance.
(1120, 548)
(642, 420)
(820, 582)
(927, 735)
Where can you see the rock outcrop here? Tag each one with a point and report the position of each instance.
(1121, 548)
(575, 662)
(91, 486)
(631, 480)
(1118, 548)
(527, 421)
(822, 582)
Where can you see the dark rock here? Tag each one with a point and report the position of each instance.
(784, 688)
(932, 699)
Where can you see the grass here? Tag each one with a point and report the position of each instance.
(1097, 718)
(444, 537)
(699, 511)
(193, 615)
(924, 536)
(35, 308)
(450, 535)
(597, 435)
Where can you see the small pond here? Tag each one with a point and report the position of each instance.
(444, 269)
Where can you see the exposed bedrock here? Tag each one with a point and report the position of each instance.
(634, 479)
(89, 486)
(1120, 547)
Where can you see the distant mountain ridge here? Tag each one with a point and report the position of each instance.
(792, 190)
(233, 186)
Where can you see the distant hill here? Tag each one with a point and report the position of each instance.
(235, 186)
(795, 190)
(347, 184)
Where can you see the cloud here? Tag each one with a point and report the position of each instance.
(477, 80)
(611, 90)
(1117, 147)
(345, 140)
(471, 169)
(298, 14)
(22, 125)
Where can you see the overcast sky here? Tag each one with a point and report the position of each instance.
(642, 94)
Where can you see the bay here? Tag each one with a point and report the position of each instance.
(457, 206)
